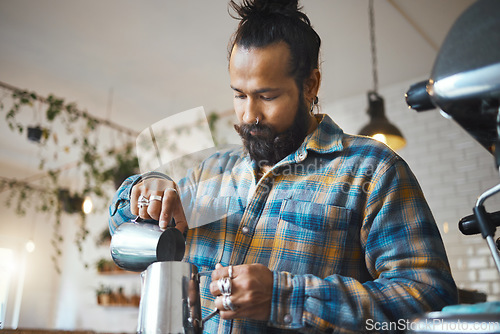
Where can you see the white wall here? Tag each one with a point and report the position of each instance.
(66, 300)
(41, 284)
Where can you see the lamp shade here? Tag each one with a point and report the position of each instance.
(379, 126)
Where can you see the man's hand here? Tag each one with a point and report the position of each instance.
(251, 292)
(164, 202)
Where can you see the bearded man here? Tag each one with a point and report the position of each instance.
(324, 231)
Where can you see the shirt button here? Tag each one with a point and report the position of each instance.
(288, 319)
(245, 230)
(302, 156)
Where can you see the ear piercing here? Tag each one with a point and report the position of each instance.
(313, 102)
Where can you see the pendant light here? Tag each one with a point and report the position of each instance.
(379, 126)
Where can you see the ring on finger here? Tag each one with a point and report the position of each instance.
(155, 198)
(230, 271)
(142, 204)
(142, 201)
(224, 284)
(227, 303)
(220, 283)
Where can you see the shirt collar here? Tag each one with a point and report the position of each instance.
(327, 137)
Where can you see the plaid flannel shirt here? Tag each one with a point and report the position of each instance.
(342, 223)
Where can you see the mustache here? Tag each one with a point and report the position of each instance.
(261, 130)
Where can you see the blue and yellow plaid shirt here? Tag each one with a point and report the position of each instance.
(342, 223)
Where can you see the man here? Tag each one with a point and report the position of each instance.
(324, 231)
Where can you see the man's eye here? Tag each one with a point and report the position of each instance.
(239, 96)
(268, 98)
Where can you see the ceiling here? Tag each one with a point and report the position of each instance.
(136, 62)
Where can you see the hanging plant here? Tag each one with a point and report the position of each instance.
(54, 197)
(126, 164)
(90, 164)
(104, 238)
(35, 133)
(70, 203)
(20, 98)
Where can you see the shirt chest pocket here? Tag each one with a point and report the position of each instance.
(310, 238)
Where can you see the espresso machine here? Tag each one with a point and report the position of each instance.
(465, 86)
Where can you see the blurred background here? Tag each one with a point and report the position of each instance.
(89, 76)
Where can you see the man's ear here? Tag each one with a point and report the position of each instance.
(311, 85)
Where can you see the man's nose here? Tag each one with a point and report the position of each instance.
(252, 112)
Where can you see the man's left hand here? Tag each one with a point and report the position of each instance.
(251, 291)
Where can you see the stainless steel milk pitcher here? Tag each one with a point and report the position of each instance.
(137, 244)
(170, 299)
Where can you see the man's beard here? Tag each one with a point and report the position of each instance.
(267, 147)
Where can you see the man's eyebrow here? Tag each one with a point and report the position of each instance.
(258, 91)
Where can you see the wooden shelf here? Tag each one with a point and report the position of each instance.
(118, 272)
(115, 300)
(119, 306)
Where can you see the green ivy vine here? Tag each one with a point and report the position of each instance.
(52, 197)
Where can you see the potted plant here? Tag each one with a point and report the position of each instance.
(101, 266)
(103, 294)
(135, 299)
(121, 299)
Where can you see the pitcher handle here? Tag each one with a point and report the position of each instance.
(205, 273)
(210, 316)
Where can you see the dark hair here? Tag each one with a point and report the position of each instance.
(265, 22)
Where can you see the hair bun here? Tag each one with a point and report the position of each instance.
(277, 5)
(249, 8)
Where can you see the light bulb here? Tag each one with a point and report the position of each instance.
(30, 246)
(87, 205)
(380, 137)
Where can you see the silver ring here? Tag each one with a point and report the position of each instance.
(227, 303)
(155, 198)
(224, 284)
(220, 283)
(257, 120)
(230, 271)
(227, 286)
(171, 189)
(142, 202)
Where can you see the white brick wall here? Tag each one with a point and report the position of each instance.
(453, 170)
